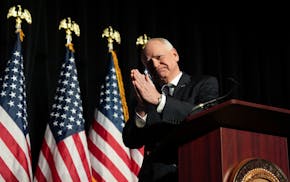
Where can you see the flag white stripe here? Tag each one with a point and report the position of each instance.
(44, 167)
(137, 156)
(101, 169)
(42, 162)
(106, 149)
(12, 163)
(1, 178)
(110, 128)
(85, 145)
(70, 144)
(111, 154)
(58, 161)
(14, 130)
(28, 157)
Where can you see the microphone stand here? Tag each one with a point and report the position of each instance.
(210, 103)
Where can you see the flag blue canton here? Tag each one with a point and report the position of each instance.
(66, 117)
(12, 93)
(110, 100)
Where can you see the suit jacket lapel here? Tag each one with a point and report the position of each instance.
(184, 80)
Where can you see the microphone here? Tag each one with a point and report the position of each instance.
(212, 102)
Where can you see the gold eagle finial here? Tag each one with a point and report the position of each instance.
(111, 36)
(69, 26)
(19, 15)
(142, 40)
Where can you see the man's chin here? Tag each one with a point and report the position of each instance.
(163, 73)
(163, 79)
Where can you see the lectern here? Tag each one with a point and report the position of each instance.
(234, 141)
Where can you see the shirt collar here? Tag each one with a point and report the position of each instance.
(176, 79)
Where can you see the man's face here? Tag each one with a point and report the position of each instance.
(160, 61)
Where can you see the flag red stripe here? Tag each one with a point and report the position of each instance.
(49, 159)
(82, 154)
(97, 176)
(27, 139)
(65, 154)
(106, 135)
(131, 163)
(105, 160)
(15, 149)
(39, 175)
(134, 167)
(6, 173)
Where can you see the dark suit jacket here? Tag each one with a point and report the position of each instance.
(189, 92)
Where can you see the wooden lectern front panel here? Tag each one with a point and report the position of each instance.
(213, 156)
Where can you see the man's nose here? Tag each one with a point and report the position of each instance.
(155, 62)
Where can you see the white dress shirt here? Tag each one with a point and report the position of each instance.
(141, 121)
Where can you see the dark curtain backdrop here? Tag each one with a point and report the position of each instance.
(249, 45)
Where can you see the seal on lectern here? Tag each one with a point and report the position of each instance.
(257, 170)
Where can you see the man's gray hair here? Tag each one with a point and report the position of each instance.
(164, 41)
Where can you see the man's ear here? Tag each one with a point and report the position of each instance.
(175, 53)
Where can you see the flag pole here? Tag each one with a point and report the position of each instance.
(113, 35)
(16, 11)
(69, 26)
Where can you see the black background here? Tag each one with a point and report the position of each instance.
(250, 45)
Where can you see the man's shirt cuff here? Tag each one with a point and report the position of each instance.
(161, 104)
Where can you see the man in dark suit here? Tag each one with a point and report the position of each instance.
(164, 100)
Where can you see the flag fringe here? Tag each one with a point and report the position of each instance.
(121, 86)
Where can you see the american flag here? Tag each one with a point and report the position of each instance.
(64, 154)
(111, 160)
(15, 151)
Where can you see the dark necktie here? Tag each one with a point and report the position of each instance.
(168, 89)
